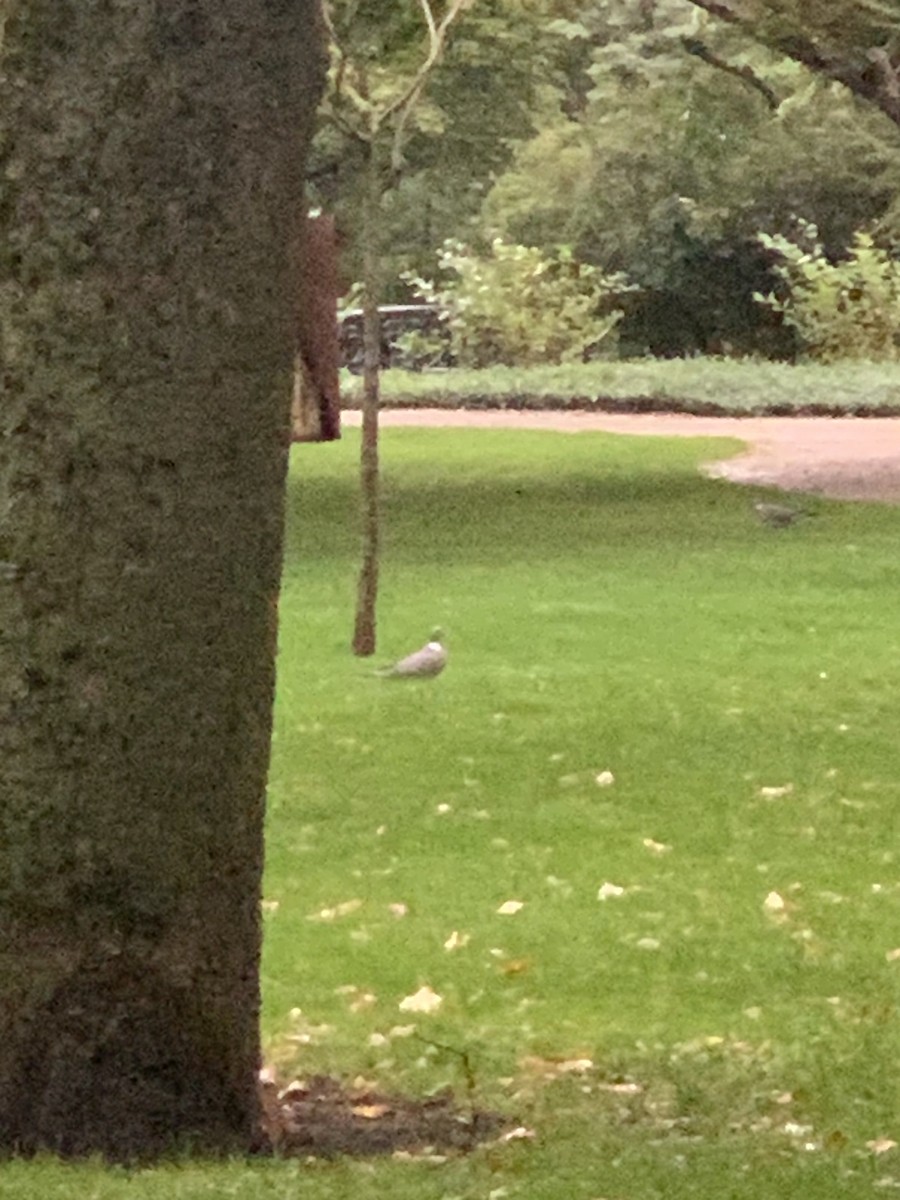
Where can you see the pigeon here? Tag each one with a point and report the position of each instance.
(423, 664)
(778, 515)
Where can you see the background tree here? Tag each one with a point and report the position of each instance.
(481, 97)
(852, 42)
(650, 136)
(150, 198)
(375, 104)
(668, 140)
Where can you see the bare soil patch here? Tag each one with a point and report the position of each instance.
(844, 457)
(323, 1117)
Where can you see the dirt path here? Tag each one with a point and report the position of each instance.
(844, 457)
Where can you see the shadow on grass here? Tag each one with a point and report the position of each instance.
(482, 489)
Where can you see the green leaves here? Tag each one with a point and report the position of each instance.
(849, 309)
(516, 305)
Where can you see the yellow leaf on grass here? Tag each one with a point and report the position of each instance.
(425, 1000)
(607, 890)
(456, 940)
(371, 1112)
(881, 1145)
(656, 847)
(339, 910)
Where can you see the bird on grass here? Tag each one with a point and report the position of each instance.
(422, 664)
(778, 515)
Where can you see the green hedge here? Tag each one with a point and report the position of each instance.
(701, 386)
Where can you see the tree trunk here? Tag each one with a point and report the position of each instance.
(364, 633)
(316, 407)
(150, 198)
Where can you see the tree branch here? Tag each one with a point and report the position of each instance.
(341, 88)
(403, 104)
(429, 18)
(437, 36)
(746, 73)
(876, 79)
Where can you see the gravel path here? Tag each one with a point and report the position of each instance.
(845, 457)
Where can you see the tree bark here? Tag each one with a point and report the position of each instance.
(316, 407)
(365, 625)
(150, 198)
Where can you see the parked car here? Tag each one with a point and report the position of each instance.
(413, 336)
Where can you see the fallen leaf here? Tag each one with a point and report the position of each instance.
(773, 793)
(456, 940)
(370, 1112)
(398, 910)
(510, 907)
(551, 1067)
(774, 903)
(515, 966)
(408, 1156)
(361, 1084)
(425, 1000)
(796, 1130)
(606, 890)
(340, 910)
(604, 779)
(574, 1066)
(656, 847)
(519, 1134)
(647, 943)
(893, 955)
(269, 906)
(881, 1145)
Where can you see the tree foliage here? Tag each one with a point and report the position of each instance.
(852, 42)
(677, 137)
(653, 136)
(480, 97)
(517, 306)
(849, 309)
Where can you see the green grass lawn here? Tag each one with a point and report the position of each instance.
(702, 385)
(607, 609)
